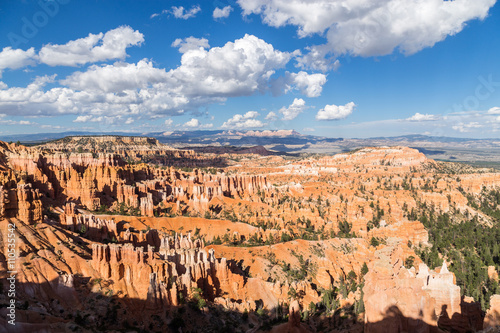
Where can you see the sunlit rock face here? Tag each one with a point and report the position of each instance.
(100, 234)
(397, 298)
(492, 318)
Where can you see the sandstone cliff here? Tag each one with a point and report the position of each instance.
(492, 318)
(400, 299)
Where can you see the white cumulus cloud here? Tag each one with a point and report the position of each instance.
(243, 121)
(222, 12)
(238, 68)
(93, 48)
(334, 112)
(190, 43)
(423, 117)
(182, 13)
(494, 110)
(242, 67)
(310, 85)
(370, 28)
(16, 122)
(466, 127)
(192, 123)
(195, 123)
(117, 77)
(317, 58)
(88, 118)
(294, 109)
(271, 116)
(16, 58)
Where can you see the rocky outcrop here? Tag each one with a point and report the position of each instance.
(77, 177)
(412, 231)
(400, 299)
(492, 318)
(92, 180)
(375, 157)
(146, 205)
(21, 201)
(492, 273)
(160, 277)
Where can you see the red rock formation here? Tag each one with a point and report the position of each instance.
(153, 268)
(375, 157)
(398, 299)
(147, 206)
(492, 318)
(152, 277)
(92, 180)
(413, 231)
(21, 201)
(492, 273)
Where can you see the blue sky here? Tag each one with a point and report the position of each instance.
(337, 68)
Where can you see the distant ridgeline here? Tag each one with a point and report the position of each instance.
(104, 142)
(133, 149)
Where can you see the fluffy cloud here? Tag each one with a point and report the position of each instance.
(243, 121)
(46, 126)
(14, 122)
(334, 112)
(33, 100)
(271, 116)
(181, 13)
(93, 48)
(190, 43)
(242, 67)
(292, 111)
(88, 118)
(204, 76)
(222, 13)
(168, 122)
(318, 58)
(494, 110)
(195, 123)
(466, 127)
(117, 77)
(422, 117)
(192, 123)
(310, 85)
(16, 58)
(370, 28)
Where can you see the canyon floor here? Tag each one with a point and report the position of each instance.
(126, 234)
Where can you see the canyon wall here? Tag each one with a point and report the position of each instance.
(400, 299)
